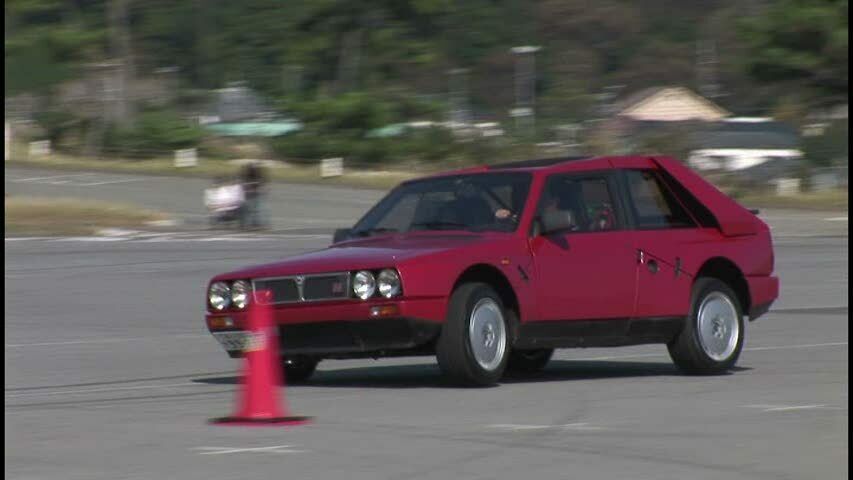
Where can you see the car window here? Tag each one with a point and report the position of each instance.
(577, 204)
(653, 204)
(400, 215)
(475, 202)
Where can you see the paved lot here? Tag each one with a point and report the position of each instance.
(292, 207)
(111, 375)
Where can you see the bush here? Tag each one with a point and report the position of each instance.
(830, 147)
(57, 123)
(309, 147)
(155, 132)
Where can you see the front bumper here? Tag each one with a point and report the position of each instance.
(341, 329)
(380, 337)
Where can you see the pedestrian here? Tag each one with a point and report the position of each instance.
(254, 185)
(224, 201)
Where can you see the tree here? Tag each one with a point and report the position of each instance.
(801, 45)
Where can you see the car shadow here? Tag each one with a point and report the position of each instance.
(428, 375)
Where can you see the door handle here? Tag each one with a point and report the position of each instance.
(653, 266)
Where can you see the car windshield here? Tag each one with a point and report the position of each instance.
(474, 202)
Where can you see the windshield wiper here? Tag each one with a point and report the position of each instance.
(370, 231)
(439, 225)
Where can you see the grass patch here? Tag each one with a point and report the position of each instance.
(69, 216)
(210, 168)
(834, 200)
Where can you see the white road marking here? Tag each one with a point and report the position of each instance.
(51, 177)
(836, 219)
(748, 349)
(93, 179)
(568, 426)
(172, 237)
(793, 347)
(795, 407)
(100, 390)
(107, 182)
(787, 408)
(224, 450)
(108, 340)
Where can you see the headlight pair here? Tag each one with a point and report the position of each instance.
(221, 295)
(365, 284)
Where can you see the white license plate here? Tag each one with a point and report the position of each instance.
(232, 341)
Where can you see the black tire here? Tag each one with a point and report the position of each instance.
(686, 349)
(529, 361)
(298, 369)
(455, 356)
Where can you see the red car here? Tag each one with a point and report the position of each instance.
(492, 268)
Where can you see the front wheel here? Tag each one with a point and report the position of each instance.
(473, 347)
(712, 338)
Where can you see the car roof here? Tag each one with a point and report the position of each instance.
(537, 163)
(555, 164)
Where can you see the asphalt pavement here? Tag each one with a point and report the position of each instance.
(110, 373)
(291, 207)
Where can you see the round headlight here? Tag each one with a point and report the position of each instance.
(219, 296)
(388, 282)
(241, 292)
(363, 284)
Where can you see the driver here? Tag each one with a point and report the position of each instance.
(555, 213)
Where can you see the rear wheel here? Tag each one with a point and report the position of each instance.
(713, 334)
(529, 361)
(298, 369)
(473, 349)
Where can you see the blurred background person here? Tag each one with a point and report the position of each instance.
(254, 186)
(225, 202)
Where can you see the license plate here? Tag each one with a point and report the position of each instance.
(232, 341)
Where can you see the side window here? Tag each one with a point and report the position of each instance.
(577, 204)
(653, 204)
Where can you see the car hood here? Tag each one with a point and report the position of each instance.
(369, 253)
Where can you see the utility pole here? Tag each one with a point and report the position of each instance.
(525, 89)
(118, 20)
(706, 68)
(459, 111)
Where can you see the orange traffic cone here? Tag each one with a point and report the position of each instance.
(258, 399)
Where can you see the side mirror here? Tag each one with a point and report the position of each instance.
(341, 234)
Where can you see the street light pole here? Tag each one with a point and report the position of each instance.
(459, 112)
(525, 88)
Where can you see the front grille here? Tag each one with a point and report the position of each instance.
(325, 287)
(283, 290)
(305, 288)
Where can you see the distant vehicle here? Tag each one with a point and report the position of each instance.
(491, 268)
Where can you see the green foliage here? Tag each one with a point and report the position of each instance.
(801, 43)
(346, 67)
(156, 132)
(307, 147)
(830, 148)
(339, 127)
(57, 123)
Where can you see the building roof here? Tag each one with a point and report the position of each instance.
(669, 104)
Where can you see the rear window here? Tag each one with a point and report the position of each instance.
(654, 206)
